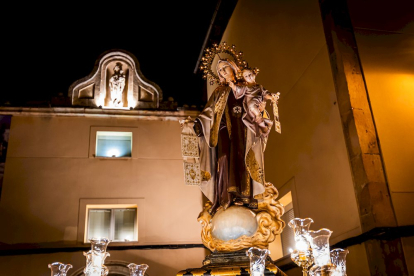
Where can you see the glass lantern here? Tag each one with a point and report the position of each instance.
(302, 255)
(59, 269)
(95, 258)
(137, 270)
(257, 260)
(99, 244)
(319, 241)
(338, 259)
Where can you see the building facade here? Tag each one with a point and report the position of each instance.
(95, 169)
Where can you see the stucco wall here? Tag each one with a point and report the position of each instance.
(48, 171)
(385, 43)
(285, 40)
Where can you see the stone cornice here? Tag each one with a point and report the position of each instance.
(150, 115)
(56, 247)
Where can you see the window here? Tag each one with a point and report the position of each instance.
(113, 144)
(109, 142)
(119, 222)
(116, 224)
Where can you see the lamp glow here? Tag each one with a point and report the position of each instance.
(113, 152)
(100, 101)
(302, 245)
(302, 255)
(128, 238)
(132, 103)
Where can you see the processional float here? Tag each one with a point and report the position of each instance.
(223, 150)
(238, 229)
(242, 215)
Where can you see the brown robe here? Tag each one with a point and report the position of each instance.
(231, 155)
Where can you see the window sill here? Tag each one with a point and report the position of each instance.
(119, 243)
(112, 158)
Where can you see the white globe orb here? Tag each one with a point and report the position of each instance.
(233, 223)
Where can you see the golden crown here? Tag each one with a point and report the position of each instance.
(210, 54)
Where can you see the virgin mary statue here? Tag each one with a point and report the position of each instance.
(231, 154)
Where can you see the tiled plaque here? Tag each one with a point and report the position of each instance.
(189, 146)
(192, 173)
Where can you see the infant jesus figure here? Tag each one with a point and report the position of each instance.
(254, 103)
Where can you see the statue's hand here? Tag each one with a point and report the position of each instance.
(262, 106)
(232, 85)
(198, 128)
(185, 121)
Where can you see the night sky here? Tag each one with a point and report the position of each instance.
(51, 46)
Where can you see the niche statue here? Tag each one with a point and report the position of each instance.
(116, 85)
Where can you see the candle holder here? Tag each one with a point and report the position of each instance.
(303, 259)
(338, 259)
(59, 269)
(257, 260)
(137, 270)
(99, 244)
(319, 242)
(302, 255)
(95, 258)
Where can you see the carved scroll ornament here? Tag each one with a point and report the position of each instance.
(268, 219)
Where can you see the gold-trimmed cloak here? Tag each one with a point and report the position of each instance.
(210, 119)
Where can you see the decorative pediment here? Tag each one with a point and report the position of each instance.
(116, 82)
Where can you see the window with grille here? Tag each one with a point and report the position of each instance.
(287, 236)
(116, 224)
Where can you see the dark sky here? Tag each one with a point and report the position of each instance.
(51, 46)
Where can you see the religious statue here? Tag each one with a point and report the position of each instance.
(116, 85)
(238, 172)
(233, 129)
(254, 98)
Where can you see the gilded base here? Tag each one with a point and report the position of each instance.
(268, 219)
(271, 270)
(230, 263)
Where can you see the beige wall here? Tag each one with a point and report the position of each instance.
(48, 171)
(385, 43)
(387, 55)
(285, 40)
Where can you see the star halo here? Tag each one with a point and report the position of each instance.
(210, 54)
